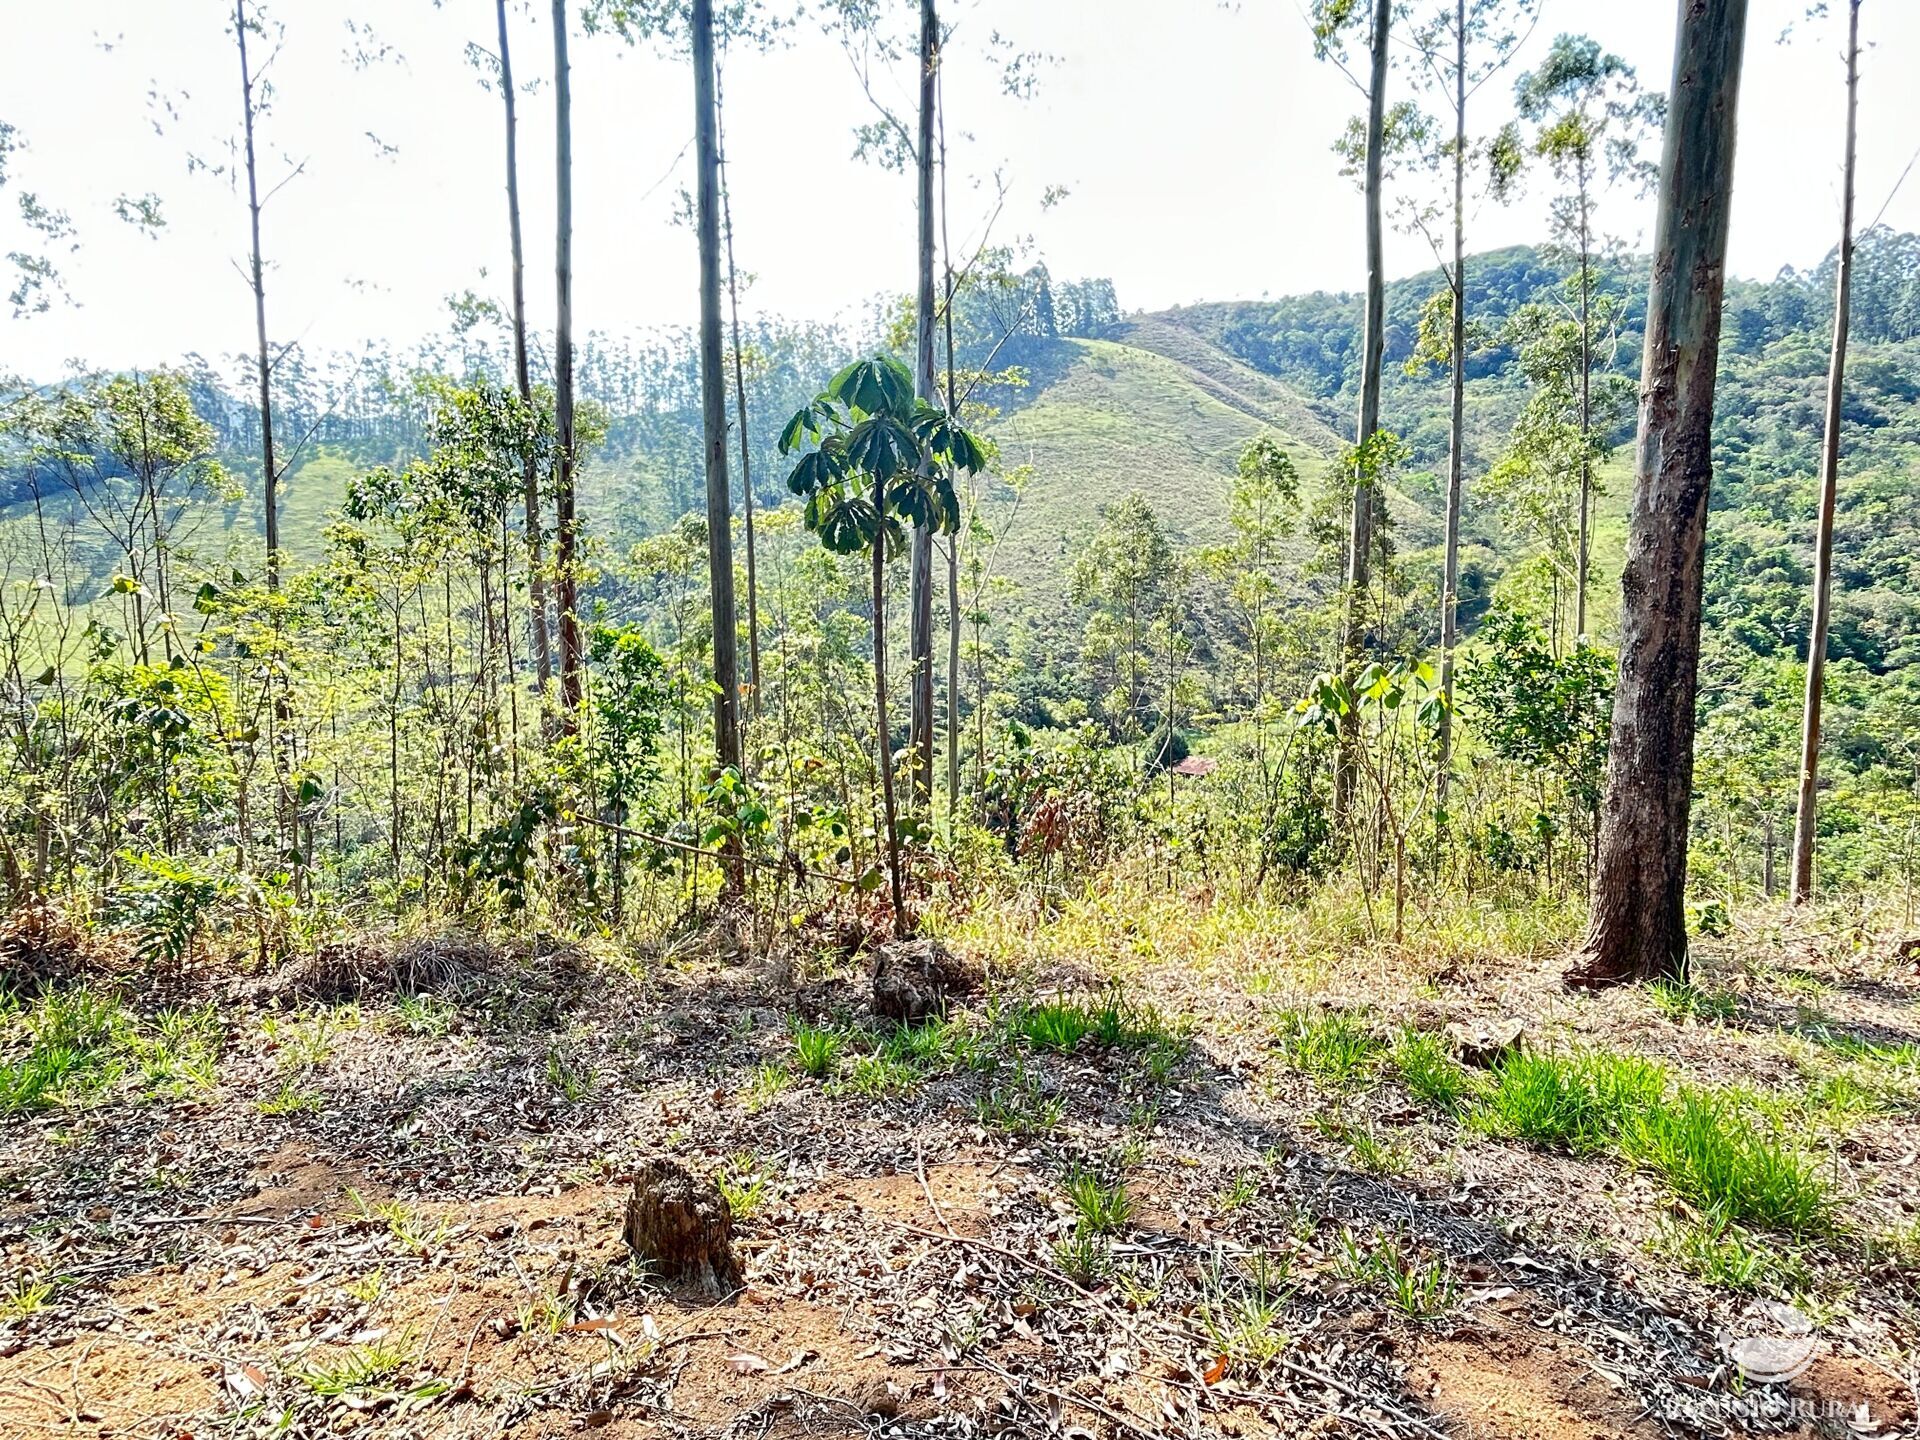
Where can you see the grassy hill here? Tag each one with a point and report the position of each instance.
(1157, 410)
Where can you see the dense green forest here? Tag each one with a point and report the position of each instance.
(1010, 866)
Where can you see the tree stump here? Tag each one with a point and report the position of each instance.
(681, 1224)
(912, 980)
(1485, 1044)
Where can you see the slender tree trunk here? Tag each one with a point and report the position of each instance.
(529, 476)
(270, 477)
(920, 695)
(953, 541)
(1639, 926)
(566, 526)
(883, 732)
(740, 402)
(713, 398)
(1373, 345)
(1586, 418)
(1456, 468)
(1803, 818)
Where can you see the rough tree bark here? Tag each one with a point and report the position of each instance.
(1803, 836)
(1638, 928)
(713, 403)
(920, 692)
(566, 521)
(522, 378)
(1373, 345)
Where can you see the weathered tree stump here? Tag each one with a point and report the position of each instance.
(681, 1224)
(913, 979)
(1485, 1044)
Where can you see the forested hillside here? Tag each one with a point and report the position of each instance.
(1012, 866)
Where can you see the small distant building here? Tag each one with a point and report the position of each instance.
(1194, 766)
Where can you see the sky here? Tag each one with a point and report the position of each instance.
(1191, 138)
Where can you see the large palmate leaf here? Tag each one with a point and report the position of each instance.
(845, 526)
(948, 442)
(879, 386)
(926, 499)
(817, 470)
(883, 447)
(805, 424)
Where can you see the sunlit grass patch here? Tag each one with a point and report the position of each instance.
(1430, 1073)
(1723, 1158)
(816, 1048)
(1579, 1102)
(1335, 1048)
(1103, 1206)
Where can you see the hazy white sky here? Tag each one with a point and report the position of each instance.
(1192, 135)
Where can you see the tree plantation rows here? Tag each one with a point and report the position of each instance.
(1569, 578)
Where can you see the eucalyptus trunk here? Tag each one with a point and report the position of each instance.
(920, 693)
(713, 405)
(1639, 929)
(740, 403)
(566, 520)
(270, 476)
(1450, 580)
(522, 378)
(1373, 344)
(1803, 827)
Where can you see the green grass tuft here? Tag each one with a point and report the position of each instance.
(1334, 1048)
(1431, 1075)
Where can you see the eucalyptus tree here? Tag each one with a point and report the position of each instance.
(255, 95)
(1591, 118)
(1803, 831)
(1332, 22)
(530, 475)
(713, 405)
(566, 519)
(1638, 928)
(877, 455)
(1461, 45)
(739, 360)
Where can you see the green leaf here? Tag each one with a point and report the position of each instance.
(879, 386)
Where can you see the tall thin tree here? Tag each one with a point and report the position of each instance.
(269, 473)
(1803, 818)
(1463, 44)
(530, 476)
(1638, 928)
(920, 707)
(1592, 116)
(566, 518)
(713, 408)
(1360, 539)
(740, 399)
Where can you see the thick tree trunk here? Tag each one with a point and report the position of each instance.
(1639, 928)
(269, 475)
(920, 727)
(1803, 834)
(566, 521)
(713, 401)
(523, 381)
(1373, 345)
(740, 403)
(1450, 578)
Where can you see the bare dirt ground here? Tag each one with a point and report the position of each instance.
(404, 1220)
